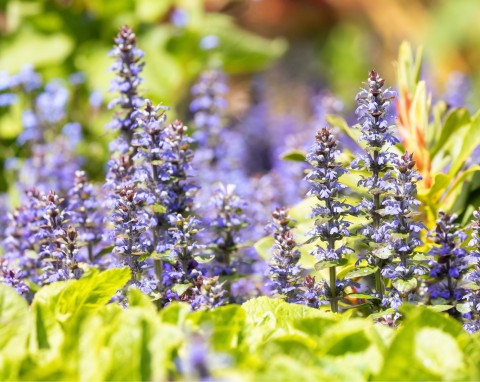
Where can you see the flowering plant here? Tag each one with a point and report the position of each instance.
(163, 234)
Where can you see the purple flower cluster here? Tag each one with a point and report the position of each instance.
(11, 278)
(310, 292)
(86, 213)
(404, 232)
(27, 80)
(284, 271)
(52, 166)
(182, 244)
(330, 225)
(127, 68)
(209, 293)
(450, 261)
(129, 233)
(473, 295)
(41, 246)
(208, 107)
(226, 226)
(373, 102)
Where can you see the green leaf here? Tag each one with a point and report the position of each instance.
(104, 251)
(425, 348)
(460, 181)
(13, 312)
(59, 305)
(405, 286)
(242, 51)
(138, 299)
(143, 257)
(339, 123)
(301, 212)
(287, 368)
(472, 286)
(180, 288)
(360, 272)
(294, 156)
(33, 48)
(382, 252)
(93, 290)
(440, 308)
(362, 296)
(424, 353)
(151, 10)
(419, 256)
(409, 66)
(381, 314)
(284, 314)
(470, 141)
(316, 326)
(204, 259)
(455, 120)
(163, 256)
(175, 313)
(158, 208)
(226, 323)
(328, 264)
(264, 246)
(463, 308)
(440, 183)
(14, 330)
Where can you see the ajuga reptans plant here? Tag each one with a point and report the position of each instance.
(404, 232)
(473, 295)
(148, 217)
(330, 224)
(373, 102)
(450, 261)
(284, 271)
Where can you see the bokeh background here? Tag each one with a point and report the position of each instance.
(277, 53)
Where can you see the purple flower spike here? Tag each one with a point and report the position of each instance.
(373, 102)
(404, 232)
(208, 106)
(450, 261)
(86, 213)
(330, 225)
(226, 226)
(284, 271)
(127, 68)
(473, 294)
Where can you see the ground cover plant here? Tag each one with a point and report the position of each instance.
(361, 250)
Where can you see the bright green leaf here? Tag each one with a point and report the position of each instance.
(360, 272)
(329, 264)
(294, 156)
(405, 286)
(264, 246)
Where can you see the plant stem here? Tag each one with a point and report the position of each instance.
(90, 251)
(333, 290)
(379, 283)
(158, 264)
(376, 224)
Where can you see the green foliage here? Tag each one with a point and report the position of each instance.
(59, 40)
(45, 34)
(71, 333)
(442, 145)
(427, 347)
